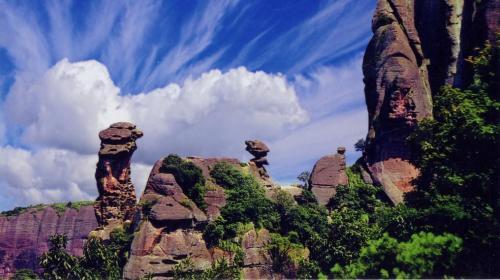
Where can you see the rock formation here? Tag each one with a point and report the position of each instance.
(328, 173)
(259, 150)
(257, 262)
(25, 237)
(117, 200)
(417, 47)
(172, 226)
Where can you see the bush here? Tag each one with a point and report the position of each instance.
(220, 269)
(100, 260)
(425, 256)
(285, 254)
(188, 176)
(25, 274)
(245, 203)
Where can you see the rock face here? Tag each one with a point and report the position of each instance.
(172, 229)
(417, 47)
(257, 262)
(328, 173)
(259, 150)
(24, 237)
(116, 201)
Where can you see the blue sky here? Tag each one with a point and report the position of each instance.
(198, 77)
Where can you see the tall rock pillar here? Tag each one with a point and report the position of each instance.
(417, 47)
(117, 200)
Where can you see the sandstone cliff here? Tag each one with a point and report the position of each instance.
(24, 237)
(417, 47)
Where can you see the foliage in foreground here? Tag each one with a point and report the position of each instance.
(220, 269)
(458, 153)
(100, 260)
(424, 256)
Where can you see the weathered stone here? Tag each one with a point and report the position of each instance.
(157, 258)
(328, 173)
(257, 263)
(116, 201)
(259, 150)
(25, 237)
(215, 200)
(417, 47)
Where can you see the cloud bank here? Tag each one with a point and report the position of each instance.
(61, 113)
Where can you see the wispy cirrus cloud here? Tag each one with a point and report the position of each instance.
(69, 68)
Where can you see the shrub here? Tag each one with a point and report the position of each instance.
(425, 256)
(25, 274)
(188, 176)
(220, 269)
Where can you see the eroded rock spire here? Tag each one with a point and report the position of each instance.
(117, 200)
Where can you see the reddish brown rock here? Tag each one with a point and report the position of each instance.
(328, 173)
(24, 237)
(172, 230)
(215, 200)
(117, 200)
(257, 263)
(259, 150)
(417, 47)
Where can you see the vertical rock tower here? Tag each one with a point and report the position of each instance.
(417, 47)
(116, 201)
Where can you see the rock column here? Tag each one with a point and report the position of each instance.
(117, 200)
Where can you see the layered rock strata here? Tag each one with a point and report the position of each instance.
(257, 263)
(417, 47)
(25, 237)
(117, 200)
(328, 173)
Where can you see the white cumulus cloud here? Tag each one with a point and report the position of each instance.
(61, 114)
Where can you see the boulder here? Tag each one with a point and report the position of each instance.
(328, 173)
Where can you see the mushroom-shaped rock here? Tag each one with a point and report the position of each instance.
(259, 150)
(116, 201)
(328, 173)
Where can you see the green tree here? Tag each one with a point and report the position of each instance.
(458, 155)
(425, 255)
(304, 177)
(57, 263)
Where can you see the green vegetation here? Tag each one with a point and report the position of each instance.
(59, 207)
(285, 253)
(447, 227)
(458, 153)
(220, 269)
(424, 256)
(100, 260)
(146, 207)
(188, 176)
(245, 203)
(25, 274)
(304, 177)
